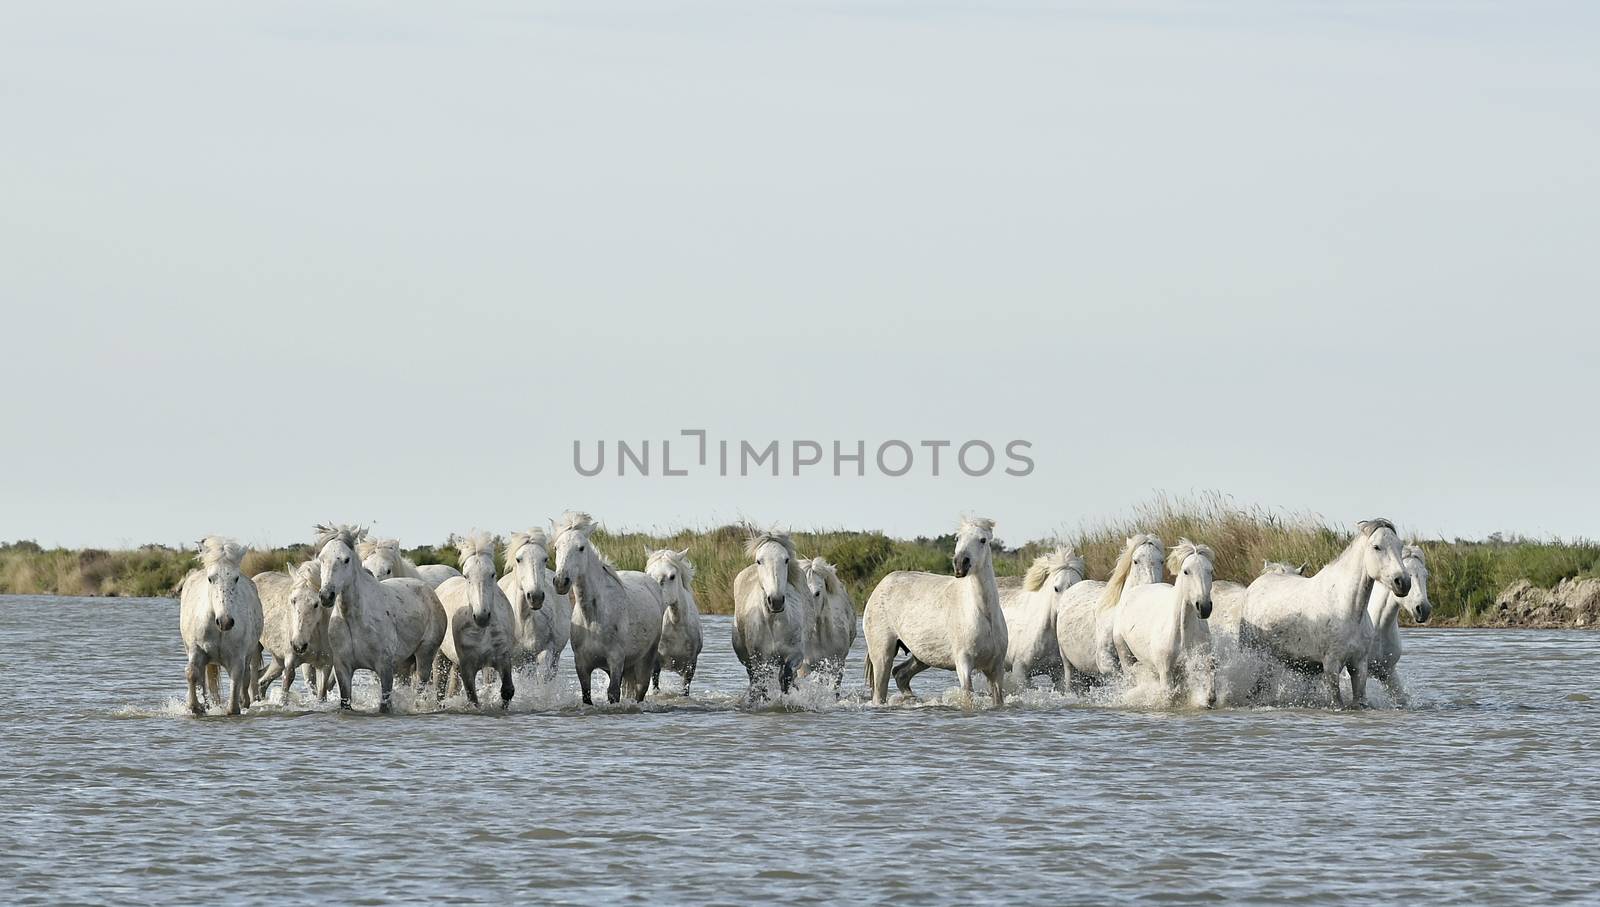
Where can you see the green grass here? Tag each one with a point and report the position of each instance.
(1466, 575)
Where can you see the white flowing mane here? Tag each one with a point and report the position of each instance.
(1283, 567)
(1414, 551)
(677, 560)
(572, 520)
(474, 544)
(1181, 552)
(829, 574)
(215, 550)
(1062, 558)
(1124, 566)
(520, 540)
(343, 532)
(368, 547)
(307, 574)
(754, 542)
(977, 524)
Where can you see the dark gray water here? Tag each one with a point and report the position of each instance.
(1483, 791)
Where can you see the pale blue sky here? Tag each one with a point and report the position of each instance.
(272, 264)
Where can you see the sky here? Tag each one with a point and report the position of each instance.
(269, 265)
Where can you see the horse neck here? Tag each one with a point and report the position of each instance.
(987, 591)
(1346, 580)
(1383, 607)
(354, 599)
(588, 587)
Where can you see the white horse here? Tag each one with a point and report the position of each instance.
(833, 621)
(219, 615)
(616, 620)
(1030, 608)
(377, 625)
(482, 628)
(1319, 623)
(1162, 626)
(294, 626)
(384, 560)
(1085, 611)
(1227, 598)
(681, 639)
(771, 615)
(1384, 611)
(544, 619)
(954, 623)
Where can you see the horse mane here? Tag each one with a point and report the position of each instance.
(1124, 566)
(830, 574)
(474, 544)
(977, 524)
(678, 559)
(1368, 527)
(1282, 567)
(308, 574)
(1062, 558)
(755, 540)
(520, 540)
(1181, 552)
(1414, 552)
(216, 550)
(572, 520)
(343, 532)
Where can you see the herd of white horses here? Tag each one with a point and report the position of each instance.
(359, 604)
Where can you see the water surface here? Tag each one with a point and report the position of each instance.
(1481, 792)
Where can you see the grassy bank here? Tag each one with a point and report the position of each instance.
(1466, 575)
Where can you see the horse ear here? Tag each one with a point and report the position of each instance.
(1304, 566)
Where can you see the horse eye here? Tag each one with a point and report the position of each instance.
(1185, 572)
(580, 547)
(983, 541)
(344, 560)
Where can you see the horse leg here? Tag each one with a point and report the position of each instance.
(288, 678)
(905, 670)
(963, 679)
(343, 673)
(1331, 674)
(214, 681)
(325, 682)
(195, 673)
(786, 672)
(614, 680)
(997, 687)
(469, 681)
(507, 688)
(386, 690)
(880, 663)
(655, 678)
(584, 679)
(272, 674)
(1358, 683)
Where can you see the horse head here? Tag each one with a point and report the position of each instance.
(220, 559)
(1192, 573)
(477, 568)
(525, 556)
(336, 558)
(777, 567)
(1380, 557)
(673, 572)
(974, 544)
(1416, 601)
(305, 599)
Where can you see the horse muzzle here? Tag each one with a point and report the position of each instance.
(561, 584)
(962, 567)
(327, 597)
(534, 599)
(1423, 613)
(1402, 586)
(225, 623)
(1205, 610)
(775, 604)
(481, 618)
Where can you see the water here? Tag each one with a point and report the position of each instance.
(1481, 792)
